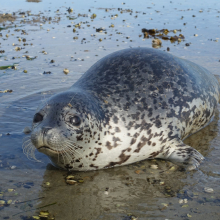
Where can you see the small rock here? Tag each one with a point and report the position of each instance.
(137, 171)
(48, 72)
(185, 200)
(155, 167)
(26, 130)
(2, 202)
(66, 71)
(156, 42)
(11, 190)
(181, 201)
(9, 202)
(208, 190)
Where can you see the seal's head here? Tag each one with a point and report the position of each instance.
(62, 129)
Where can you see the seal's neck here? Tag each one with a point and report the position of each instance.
(218, 78)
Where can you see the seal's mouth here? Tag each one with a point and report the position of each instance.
(43, 147)
(47, 150)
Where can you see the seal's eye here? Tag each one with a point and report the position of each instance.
(75, 120)
(37, 118)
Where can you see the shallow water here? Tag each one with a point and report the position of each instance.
(118, 193)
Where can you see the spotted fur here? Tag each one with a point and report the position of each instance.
(134, 104)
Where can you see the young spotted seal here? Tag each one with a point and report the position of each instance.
(131, 105)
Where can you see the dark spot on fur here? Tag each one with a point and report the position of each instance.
(117, 129)
(108, 145)
(123, 158)
(154, 154)
(115, 119)
(136, 135)
(98, 151)
(115, 139)
(158, 135)
(133, 140)
(92, 165)
(158, 123)
(80, 137)
(143, 142)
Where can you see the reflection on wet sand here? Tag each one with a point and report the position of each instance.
(105, 192)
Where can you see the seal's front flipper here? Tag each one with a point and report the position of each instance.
(184, 155)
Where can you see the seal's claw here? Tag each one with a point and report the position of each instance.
(194, 160)
(187, 157)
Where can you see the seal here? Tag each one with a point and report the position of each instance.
(131, 105)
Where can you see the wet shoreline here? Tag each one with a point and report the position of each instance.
(40, 40)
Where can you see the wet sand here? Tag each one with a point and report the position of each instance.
(35, 33)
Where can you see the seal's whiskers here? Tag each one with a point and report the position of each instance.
(72, 149)
(29, 149)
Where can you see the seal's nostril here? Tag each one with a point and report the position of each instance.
(38, 118)
(45, 130)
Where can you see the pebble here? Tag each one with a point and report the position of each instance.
(208, 190)
(2, 202)
(11, 190)
(156, 42)
(66, 71)
(181, 201)
(26, 130)
(185, 200)
(154, 166)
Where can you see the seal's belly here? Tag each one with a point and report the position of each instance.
(197, 117)
(152, 140)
